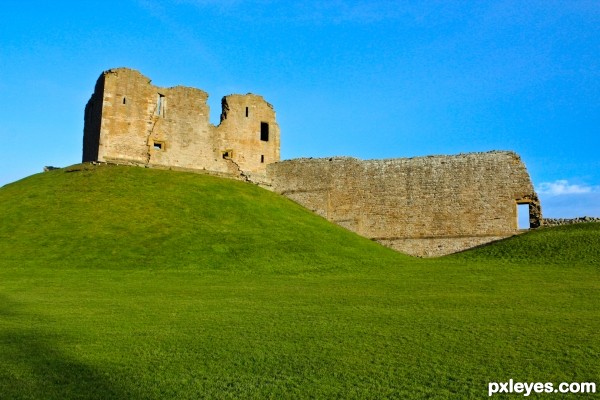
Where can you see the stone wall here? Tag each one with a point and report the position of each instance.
(425, 206)
(129, 120)
(568, 221)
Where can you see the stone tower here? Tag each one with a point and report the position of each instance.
(129, 120)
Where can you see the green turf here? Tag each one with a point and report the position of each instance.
(129, 283)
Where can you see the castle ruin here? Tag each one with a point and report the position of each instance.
(423, 206)
(128, 120)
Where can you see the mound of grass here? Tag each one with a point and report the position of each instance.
(120, 217)
(565, 245)
(126, 283)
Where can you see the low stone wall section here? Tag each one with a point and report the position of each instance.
(568, 221)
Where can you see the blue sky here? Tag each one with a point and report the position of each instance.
(369, 79)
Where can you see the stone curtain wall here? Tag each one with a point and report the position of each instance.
(129, 120)
(424, 206)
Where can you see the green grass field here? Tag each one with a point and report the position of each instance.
(130, 283)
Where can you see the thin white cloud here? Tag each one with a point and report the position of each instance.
(563, 187)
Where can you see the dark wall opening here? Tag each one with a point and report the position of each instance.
(160, 105)
(264, 131)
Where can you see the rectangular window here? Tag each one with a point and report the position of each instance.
(246, 112)
(264, 131)
(160, 105)
(262, 158)
(158, 146)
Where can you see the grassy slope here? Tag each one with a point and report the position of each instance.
(564, 245)
(130, 283)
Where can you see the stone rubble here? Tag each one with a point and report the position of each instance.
(548, 222)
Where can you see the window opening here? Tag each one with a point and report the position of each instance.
(160, 105)
(262, 158)
(264, 131)
(158, 146)
(246, 112)
(523, 216)
(227, 154)
(124, 100)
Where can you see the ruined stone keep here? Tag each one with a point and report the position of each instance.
(129, 120)
(423, 206)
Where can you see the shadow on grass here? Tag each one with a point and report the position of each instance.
(33, 366)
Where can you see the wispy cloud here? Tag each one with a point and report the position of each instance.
(563, 187)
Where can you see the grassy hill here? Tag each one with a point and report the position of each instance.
(124, 282)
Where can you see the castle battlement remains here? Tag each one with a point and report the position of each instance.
(423, 206)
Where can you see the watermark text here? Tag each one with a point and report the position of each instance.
(526, 388)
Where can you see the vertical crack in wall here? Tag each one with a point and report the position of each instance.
(149, 136)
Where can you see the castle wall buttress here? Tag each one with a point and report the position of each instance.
(92, 123)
